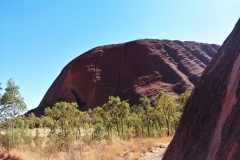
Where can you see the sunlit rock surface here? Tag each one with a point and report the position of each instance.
(210, 125)
(129, 70)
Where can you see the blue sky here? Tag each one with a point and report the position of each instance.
(38, 38)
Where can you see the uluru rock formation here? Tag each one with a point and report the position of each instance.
(210, 125)
(129, 70)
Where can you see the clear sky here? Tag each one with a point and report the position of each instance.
(38, 38)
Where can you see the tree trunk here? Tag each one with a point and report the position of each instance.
(122, 125)
(148, 126)
(117, 126)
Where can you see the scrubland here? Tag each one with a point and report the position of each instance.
(117, 149)
(114, 131)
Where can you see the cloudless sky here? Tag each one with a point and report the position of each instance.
(38, 38)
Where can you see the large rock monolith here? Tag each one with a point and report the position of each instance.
(129, 70)
(210, 125)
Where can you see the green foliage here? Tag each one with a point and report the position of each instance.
(10, 139)
(48, 122)
(166, 104)
(64, 116)
(20, 122)
(98, 133)
(87, 139)
(16, 138)
(147, 113)
(114, 112)
(12, 103)
(182, 99)
(67, 124)
(127, 135)
(110, 113)
(26, 138)
(38, 140)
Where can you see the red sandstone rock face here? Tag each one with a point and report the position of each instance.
(210, 125)
(129, 70)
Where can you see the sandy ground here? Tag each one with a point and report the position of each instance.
(154, 154)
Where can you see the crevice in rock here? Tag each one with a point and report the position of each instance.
(177, 61)
(94, 74)
(215, 47)
(209, 49)
(172, 53)
(55, 99)
(119, 73)
(78, 98)
(199, 56)
(95, 71)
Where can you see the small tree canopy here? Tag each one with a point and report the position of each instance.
(12, 103)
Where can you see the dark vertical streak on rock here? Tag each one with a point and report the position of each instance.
(148, 64)
(78, 98)
(94, 76)
(119, 73)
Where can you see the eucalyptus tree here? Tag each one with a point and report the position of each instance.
(148, 110)
(124, 111)
(12, 103)
(31, 120)
(97, 116)
(111, 110)
(81, 119)
(182, 99)
(138, 114)
(166, 104)
(64, 115)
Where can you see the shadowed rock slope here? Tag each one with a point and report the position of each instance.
(210, 125)
(129, 70)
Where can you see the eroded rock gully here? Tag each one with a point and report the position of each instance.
(129, 70)
(210, 125)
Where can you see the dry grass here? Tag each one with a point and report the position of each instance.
(119, 149)
(4, 155)
(164, 141)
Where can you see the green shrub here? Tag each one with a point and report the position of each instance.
(87, 139)
(37, 140)
(128, 135)
(26, 138)
(98, 133)
(11, 139)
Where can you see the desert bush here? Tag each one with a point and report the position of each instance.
(11, 139)
(114, 119)
(127, 135)
(108, 138)
(26, 138)
(38, 140)
(87, 139)
(98, 133)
